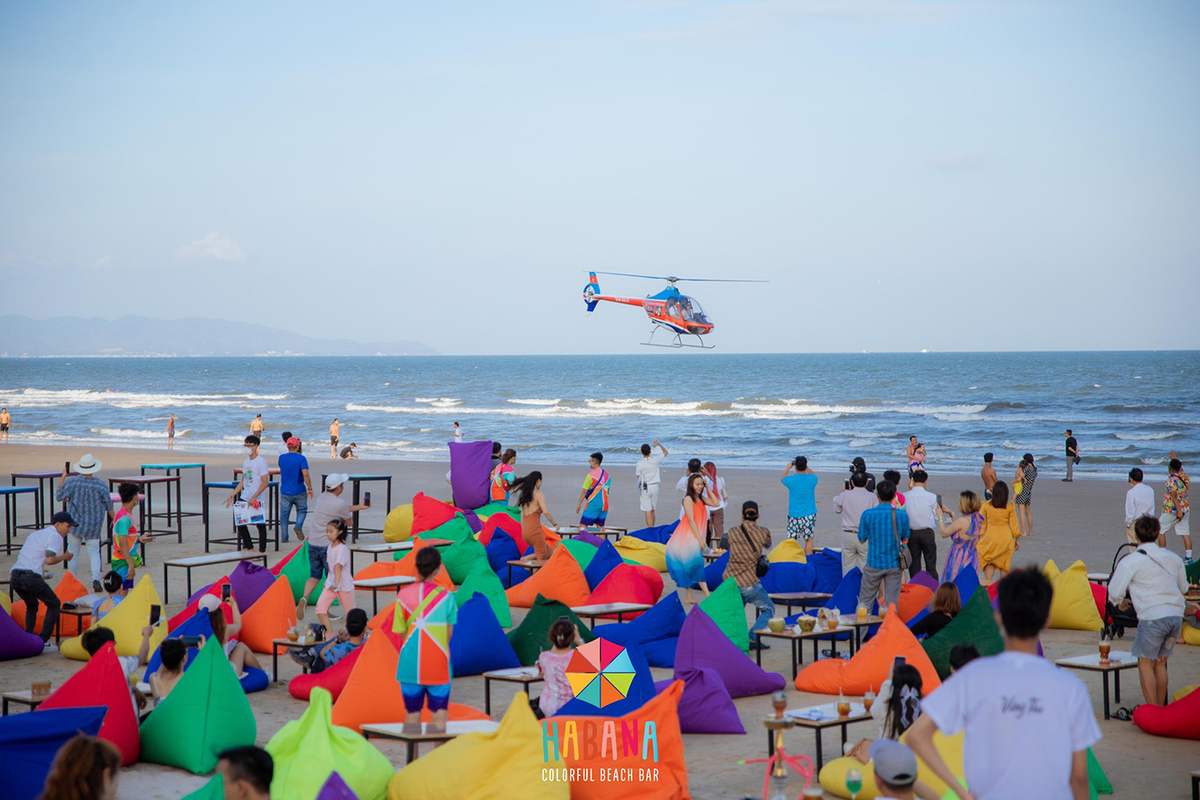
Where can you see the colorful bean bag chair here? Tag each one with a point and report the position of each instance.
(714, 572)
(15, 641)
(844, 600)
(429, 513)
(470, 470)
(214, 789)
(487, 511)
(625, 584)
(975, 624)
(29, 743)
(532, 636)
(462, 557)
(485, 582)
(67, 590)
(1191, 633)
(966, 582)
(269, 618)
(658, 534)
(205, 714)
(405, 566)
(336, 788)
(306, 752)
(655, 632)
(913, 599)
(651, 554)
(508, 762)
(589, 537)
(333, 679)
(399, 523)
(828, 566)
(479, 643)
(605, 560)
(126, 622)
(789, 551)
(833, 774)
(453, 530)
(671, 779)
(559, 579)
(5, 603)
(702, 645)
(502, 522)
(198, 625)
(583, 552)
(789, 576)
(594, 693)
(193, 604)
(724, 605)
(295, 567)
(1073, 607)
(500, 550)
(101, 682)
(923, 578)
(1178, 720)
(871, 665)
(705, 706)
(250, 582)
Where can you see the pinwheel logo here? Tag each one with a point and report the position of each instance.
(600, 673)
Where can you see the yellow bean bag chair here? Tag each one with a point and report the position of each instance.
(506, 763)
(398, 525)
(1073, 607)
(652, 554)
(1185, 691)
(789, 551)
(1191, 634)
(126, 622)
(6, 604)
(559, 579)
(833, 774)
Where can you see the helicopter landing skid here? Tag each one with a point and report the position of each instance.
(677, 341)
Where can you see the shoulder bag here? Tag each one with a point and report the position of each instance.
(904, 555)
(761, 565)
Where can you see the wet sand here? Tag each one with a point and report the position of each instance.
(1080, 520)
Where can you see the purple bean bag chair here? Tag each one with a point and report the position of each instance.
(590, 538)
(335, 788)
(470, 471)
(476, 526)
(249, 581)
(923, 578)
(705, 706)
(702, 644)
(605, 561)
(15, 641)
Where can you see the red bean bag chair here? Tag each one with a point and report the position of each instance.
(623, 585)
(332, 679)
(872, 664)
(507, 524)
(429, 513)
(101, 682)
(560, 579)
(1179, 720)
(1100, 596)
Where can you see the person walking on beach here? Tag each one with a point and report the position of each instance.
(5, 424)
(456, 431)
(171, 432)
(1023, 481)
(801, 484)
(593, 497)
(1156, 581)
(331, 504)
(503, 475)
(685, 548)
(851, 504)
(41, 549)
(90, 504)
(532, 504)
(923, 509)
(1017, 702)
(1139, 502)
(747, 542)
(988, 475)
(248, 508)
(425, 613)
(998, 540)
(1072, 455)
(1175, 507)
(885, 530)
(256, 426)
(649, 479)
(295, 487)
(963, 534)
(716, 515)
(335, 434)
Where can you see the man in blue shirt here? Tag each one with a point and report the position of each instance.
(885, 531)
(801, 484)
(295, 487)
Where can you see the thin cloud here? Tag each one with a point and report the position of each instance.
(959, 162)
(215, 246)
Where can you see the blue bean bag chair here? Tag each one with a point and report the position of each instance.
(845, 600)
(659, 533)
(828, 566)
(479, 643)
(603, 562)
(655, 632)
(29, 742)
(197, 625)
(15, 641)
(641, 691)
(967, 582)
(255, 680)
(714, 576)
(789, 576)
(500, 550)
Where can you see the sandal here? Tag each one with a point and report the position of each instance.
(1123, 714)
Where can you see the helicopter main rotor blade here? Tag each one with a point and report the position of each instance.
(674, 278)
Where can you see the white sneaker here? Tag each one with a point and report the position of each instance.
(49, 647)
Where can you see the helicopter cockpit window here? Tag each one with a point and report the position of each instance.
(692, 311)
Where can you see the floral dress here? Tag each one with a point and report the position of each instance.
(963, 549)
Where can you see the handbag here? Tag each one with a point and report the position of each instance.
(904, 554)
(761, 566)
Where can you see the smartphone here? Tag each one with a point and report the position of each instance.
(226, 591)
(366, 498)
(900, 661)
(155, 614)
(190, 641)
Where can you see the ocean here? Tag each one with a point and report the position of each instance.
(1127, 409)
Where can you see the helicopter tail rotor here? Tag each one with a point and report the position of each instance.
(590, 291)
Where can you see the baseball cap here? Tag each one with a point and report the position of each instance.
(894, 762)
(63, 516)
(335, 480)
(293, 441)
(209, 602)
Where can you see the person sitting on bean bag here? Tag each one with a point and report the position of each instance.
(321, 658)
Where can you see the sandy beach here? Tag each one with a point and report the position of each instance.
(1080, 520)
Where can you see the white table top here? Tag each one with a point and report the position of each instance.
(609, 608)
(381, 547)
(395, 730)
(1117, 659)
(386, 582)
(22, 695)
(514, 673)
(216, 558)
(1098, 576)
(825, 713)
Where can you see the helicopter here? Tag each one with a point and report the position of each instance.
(669, 310)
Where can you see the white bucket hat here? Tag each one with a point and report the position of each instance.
(335, 480)
(88, 465)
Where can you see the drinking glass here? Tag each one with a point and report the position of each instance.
(854, 783)
(868, 700)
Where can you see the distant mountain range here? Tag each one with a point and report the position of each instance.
(143, 336)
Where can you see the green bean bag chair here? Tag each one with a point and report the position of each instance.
(727, 610)
(462, 557)
(975, 624)
(532, 636)
(213, 790)
(308, 749)
(582, 551)
(207, 712)
(483, 581)
(455, 530)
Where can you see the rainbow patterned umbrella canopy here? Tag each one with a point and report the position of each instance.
(600, 673)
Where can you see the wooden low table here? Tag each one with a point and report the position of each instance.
(288, 644)
(712, 555)
(454, 729)
(1118, 660)
(208, 559)
(529, 562)
(596, 610)
(21, 697)
(526, 676)
(376, 549)
(377, 585)
(801, 599)
(79, 612)
(818, 718)
(795, 639)
(605, 531)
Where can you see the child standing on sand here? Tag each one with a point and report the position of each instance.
(425, 613)
(340, 583)
(552, 665)
(127, 551)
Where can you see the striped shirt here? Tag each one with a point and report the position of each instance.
(875, 528)
(88, 502)
(746, 543)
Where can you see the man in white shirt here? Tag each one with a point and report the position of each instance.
(1139, 502)
(41, 549)
(694, 467)
(1028, 723)
(649, 478)
(250, 508)
(851, 504)
(923, 507)
(1156, 581)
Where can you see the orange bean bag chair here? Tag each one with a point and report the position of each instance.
(914, 598)
(625, 584)
(372, 693)
(67, 590)
(872, 664)
(429, 512)
(269, 618)
(560, 579)
(405, 566)
(1179, 720)
(671, 782)
(101, 682)
(333, 679)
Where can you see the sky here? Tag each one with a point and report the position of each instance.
(906, 174)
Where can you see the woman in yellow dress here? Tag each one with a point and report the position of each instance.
(1001, 530)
